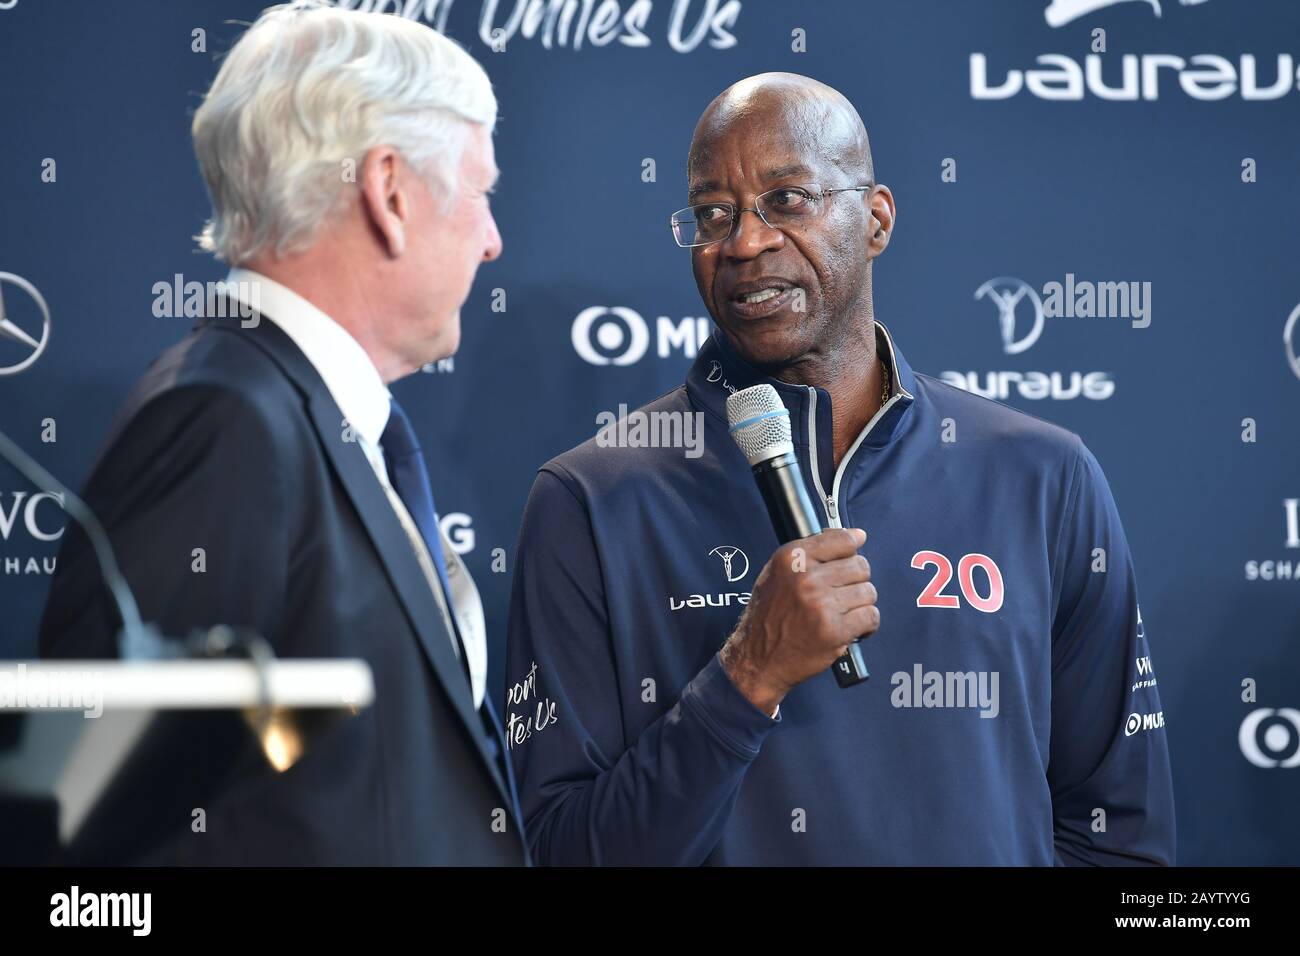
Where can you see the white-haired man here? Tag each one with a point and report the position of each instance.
(349, 160)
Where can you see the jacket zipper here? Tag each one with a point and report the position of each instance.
(829, 502)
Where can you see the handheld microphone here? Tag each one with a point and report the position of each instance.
(760, 425)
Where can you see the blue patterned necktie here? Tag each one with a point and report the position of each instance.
(410, 479)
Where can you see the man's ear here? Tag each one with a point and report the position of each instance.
(881, 221)
(384, 200)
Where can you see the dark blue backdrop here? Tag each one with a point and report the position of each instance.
(1050, 180)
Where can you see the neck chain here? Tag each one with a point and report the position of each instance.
(885, 381)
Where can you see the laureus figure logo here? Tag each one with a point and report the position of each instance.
(728, 555)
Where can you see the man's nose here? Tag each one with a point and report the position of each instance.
(750, 237)
(494, 244)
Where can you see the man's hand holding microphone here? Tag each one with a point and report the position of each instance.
(809, 603)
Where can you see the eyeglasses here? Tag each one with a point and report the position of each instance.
(711, 222)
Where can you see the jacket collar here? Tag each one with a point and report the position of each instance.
(719, 371)
(337, 357)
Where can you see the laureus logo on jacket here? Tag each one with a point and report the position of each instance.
(735, 566)
(728, 555)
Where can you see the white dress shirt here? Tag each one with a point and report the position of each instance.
(365, 401)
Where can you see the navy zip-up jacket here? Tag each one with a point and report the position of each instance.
(1012, 715)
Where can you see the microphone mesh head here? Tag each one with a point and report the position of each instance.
(760, 423)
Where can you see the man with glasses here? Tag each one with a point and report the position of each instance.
(670, 699)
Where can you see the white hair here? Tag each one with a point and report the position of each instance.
(308, 89)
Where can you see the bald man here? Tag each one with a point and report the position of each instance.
(669, 697)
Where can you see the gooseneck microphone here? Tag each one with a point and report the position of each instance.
(134, 631)
(760, 425)
(138, 640)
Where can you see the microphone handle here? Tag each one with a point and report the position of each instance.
(791, 510)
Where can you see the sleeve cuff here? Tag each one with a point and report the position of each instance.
(726, 711)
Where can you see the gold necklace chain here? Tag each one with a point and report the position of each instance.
(885, 380)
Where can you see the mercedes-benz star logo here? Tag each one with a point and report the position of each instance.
(1288, 339)
(11, 331)
(728, 554)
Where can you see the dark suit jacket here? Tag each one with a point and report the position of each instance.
(231, 443)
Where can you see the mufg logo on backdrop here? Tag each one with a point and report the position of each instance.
(25, 331)
(1021, 317)
(1278, 745)
(1204, 76)
(617, 335)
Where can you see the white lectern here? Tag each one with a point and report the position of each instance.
(83, 742)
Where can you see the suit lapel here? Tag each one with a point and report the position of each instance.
(385, 530)
(401, 564)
